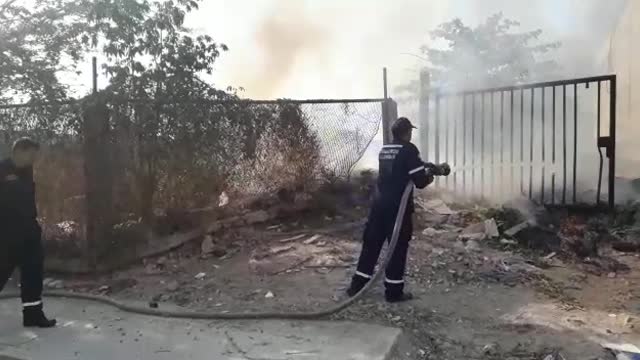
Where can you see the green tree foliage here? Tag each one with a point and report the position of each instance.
(38, 40)
(490, 54)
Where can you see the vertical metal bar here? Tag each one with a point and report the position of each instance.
(501, 135)
(436, 141)
(473, 141)
(464, 143)
(446, 134)
(482, 151)
(575, 141)
(564, 144)
(542, 138)
(533, 96)
(599, 148)
(455, 150)
(612, 146)
(553, 149)
(522, 141)
(491, 139)
(94, 73)
(424, 108)
(384, 82)
(511, 157)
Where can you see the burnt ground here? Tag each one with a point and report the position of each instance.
(478, 298)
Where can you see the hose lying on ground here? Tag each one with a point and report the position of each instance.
(186, 314)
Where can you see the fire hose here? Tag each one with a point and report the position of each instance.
(202, 315)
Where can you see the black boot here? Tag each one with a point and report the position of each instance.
(33, 316)
(357, 283)
(398, 297)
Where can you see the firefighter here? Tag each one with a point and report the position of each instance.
(20, 233)
(400, 163)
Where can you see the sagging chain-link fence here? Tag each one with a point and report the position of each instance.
(143, 170)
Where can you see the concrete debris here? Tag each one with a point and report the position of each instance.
(256, 217)
(223, 199)
(200, 276)
(269, 295)
(293, 238)
(431, 232)
(555, 356)
(281, 249)
(439, 207)
(508, 242)
(312, 239)
(491, 349)
(475, 232)
(511, 232)
(104, 288)
(491, 228)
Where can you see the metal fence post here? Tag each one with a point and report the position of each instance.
(98, 178)
(423, 113)
(612, 147)
(389, 115)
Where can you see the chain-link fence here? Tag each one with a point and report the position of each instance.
(124, 174)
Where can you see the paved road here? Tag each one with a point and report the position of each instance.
(96, 332)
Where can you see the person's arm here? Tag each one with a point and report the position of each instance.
(416, 168)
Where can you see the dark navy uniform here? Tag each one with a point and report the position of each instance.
(20, 233)
(400, 164)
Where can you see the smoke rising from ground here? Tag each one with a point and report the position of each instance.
(336, 48)
(283, 38)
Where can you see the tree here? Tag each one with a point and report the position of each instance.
(491, 54)
(37, 42)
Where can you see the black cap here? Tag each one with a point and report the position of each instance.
(401, 127)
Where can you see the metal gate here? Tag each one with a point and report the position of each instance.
(543, 140)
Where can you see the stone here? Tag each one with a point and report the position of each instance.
(269, 295)
(173, 285)
(511, 232)
(472, 245)
(508, 242)
(56, 284)
(223, 199)
(207, 246)
(200, 276)
(491, 228)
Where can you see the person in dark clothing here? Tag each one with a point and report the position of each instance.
(20, 233)
(400, 163)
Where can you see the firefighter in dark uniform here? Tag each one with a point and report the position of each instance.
(20, 233)
(400, 163)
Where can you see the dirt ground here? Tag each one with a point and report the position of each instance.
(479, 299)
